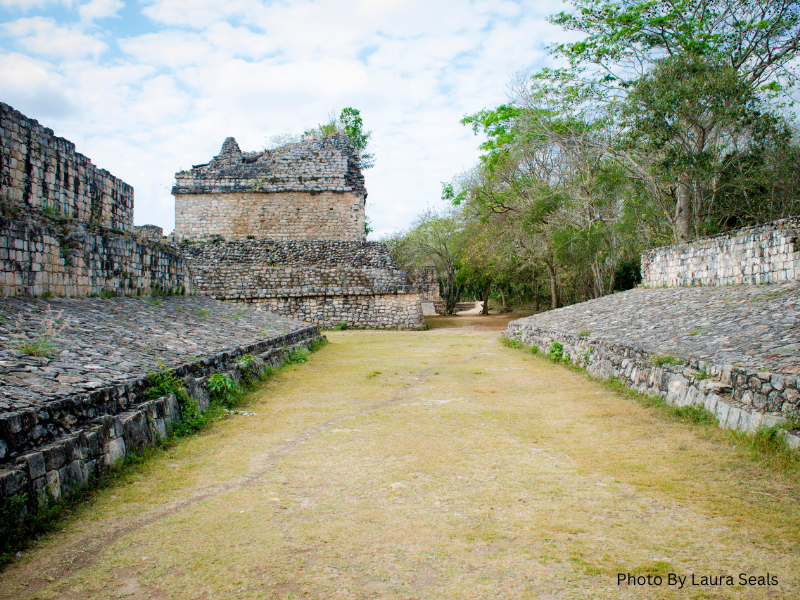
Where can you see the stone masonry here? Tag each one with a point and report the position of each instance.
(67, 258)
(754, 255)
(291, 223)
(425, 278)
(67, 226)
(42, 171)
(71, 417)
(322, 282)
(304, 191)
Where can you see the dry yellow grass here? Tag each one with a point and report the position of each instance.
(434, 464)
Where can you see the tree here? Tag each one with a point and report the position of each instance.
(350, 123)
(697, 73)
(436, 238)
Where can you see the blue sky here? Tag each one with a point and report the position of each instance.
(148, 87)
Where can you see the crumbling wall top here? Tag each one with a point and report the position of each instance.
(329, 164)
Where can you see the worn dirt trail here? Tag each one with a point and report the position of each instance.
(434, 464)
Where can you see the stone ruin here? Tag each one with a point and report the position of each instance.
(425, 278)
(283, 230)
(305, 191)
(76, 384)
(67, 227)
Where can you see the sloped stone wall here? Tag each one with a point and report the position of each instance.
(40, 170)
(733, 351)
(730, 397)
(72, 416)
(754, 255)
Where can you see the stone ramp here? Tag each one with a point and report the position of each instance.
(86, 405)
(737, 348)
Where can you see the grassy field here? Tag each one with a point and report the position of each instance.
(437, 464)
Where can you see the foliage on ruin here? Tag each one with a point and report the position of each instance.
(223, 389)
(350, 123)
(45, 343)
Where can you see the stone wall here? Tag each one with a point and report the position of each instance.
(308, 190)
(732, 350)
(150, 233)
(326, 283)
(40, 170)
(66, 258)
(274, 216)
(425, 278)
(128, 422)
(754, 255)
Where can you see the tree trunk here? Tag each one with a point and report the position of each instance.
(503, 299)
(551, 271)
(485, 309)
(683, 213)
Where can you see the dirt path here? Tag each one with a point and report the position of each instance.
(434, 464)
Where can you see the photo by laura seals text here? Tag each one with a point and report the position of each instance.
(681, 581)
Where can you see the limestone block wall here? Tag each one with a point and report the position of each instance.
(322, 282)
(754, 255)
(65, 258)
(42, 171)
(275, 216)
(152, 233)
(371, 311)
(742, 398)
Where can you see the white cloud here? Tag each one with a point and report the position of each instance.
(100, 9)
(43, 36)
(198, 13)
(32, 4)
(208, 69)
(33, 84)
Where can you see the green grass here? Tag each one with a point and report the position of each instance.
(659, 360)
(42, 347)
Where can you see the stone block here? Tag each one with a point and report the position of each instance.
(35, 464)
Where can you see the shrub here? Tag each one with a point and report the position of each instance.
(556, 351)
(224, 390)
(166, 382)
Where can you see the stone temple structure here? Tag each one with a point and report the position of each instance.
(283, 229)
(305, 191)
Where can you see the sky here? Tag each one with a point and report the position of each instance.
(146, 88)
